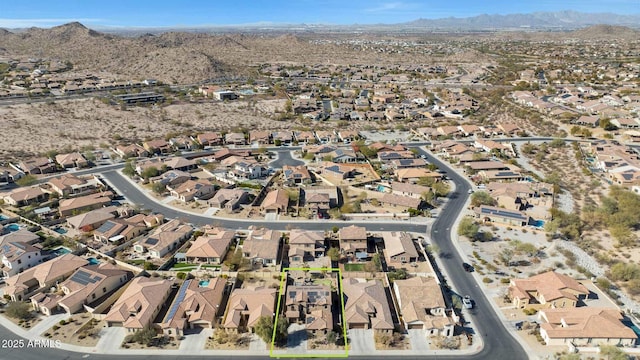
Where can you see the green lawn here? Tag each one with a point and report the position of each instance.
(353, 267)
(211, 266)
(184, 266)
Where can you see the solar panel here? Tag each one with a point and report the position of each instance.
(106, 226)
(151, 241)
(176, 303)
(84, 278)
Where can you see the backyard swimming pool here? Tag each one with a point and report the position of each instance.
(93, 261)
(12, 227)
(61, 250)
(60, 230)
(203, 283)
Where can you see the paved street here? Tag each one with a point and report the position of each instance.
(283, 157)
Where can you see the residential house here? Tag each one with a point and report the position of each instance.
(25, 196)
(261, 137)
(262, 246)
(276, 202)
(117, 231)
(493, 147)
(408, 163)
(172, 178)
(282, 137)
(20, 236)
(296, 175)
(132, 150)
(37, 166)
(318, 200)
(17, 257)
(72, 160)
(502, 216)
(84, 203)
(404, 203)
(225, 153)
(195, 306)
(366, 305)
(305, 137)
(549, 289)
(399, 247)
(229, 199)
(69, 184)
(588, 120)
(244, 168)
(164, 239)
(585, 327)
(193, 190)
(235, 138)
(93, 219)
(87, 286)
(157, 146)
(394, 155)
(326, 137)
(342, 156)
(348, 136)
(212, 247)
(310, 305)
(210, 139)
(246, 307)
(305, 245)
(407, 189)
(422, 306)
(353, 241)
(180, 163)
(138, 306)
(412, 174)
(40, 277)
(487, 165)
(181, 143)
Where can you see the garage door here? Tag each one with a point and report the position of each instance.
(415, 326)
(358, 326)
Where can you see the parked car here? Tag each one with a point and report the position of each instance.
(467, 267)
(467, 302)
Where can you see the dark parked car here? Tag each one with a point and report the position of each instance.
(467, 267)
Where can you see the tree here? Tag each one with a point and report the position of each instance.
(441, 188)
(158, 187)
(479, 198)
(27, 180)
(528, 148)
(149, 172)
(264, 329)
(18, 310)
(399, 274)
(129, 169)
(334, 254)
(468, 228)
(376, 262)
(144, 336)
(181, 275)
(332, 337)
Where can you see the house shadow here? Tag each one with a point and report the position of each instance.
(296, 338)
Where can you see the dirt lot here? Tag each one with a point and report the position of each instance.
(230, 342)
(81, 331)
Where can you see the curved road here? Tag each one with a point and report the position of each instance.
(134, 195)
(498, 341)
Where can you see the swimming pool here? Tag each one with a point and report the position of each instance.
(12, 227)
(93, 261)
(60, 230)
(203, 283)
(61, 250)
(538, 223)
(2, 217)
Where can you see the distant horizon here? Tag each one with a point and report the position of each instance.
(166, 14)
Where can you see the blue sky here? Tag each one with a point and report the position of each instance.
(45, 13)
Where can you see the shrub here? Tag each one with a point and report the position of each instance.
(530, 311)
(55, 327)
(487, 280)
(63, 322)
(181, 275)
(18, 310)
(505, 281)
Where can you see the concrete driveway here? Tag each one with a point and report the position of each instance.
(110, 339)
(361, 342)
(418, 340)
(195, 339)
(297, 339)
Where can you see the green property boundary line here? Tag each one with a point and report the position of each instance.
(283, 282)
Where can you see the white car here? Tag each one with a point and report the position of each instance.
(466, 301)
